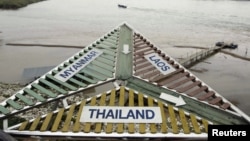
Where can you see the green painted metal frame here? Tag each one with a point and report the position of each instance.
(47, 88)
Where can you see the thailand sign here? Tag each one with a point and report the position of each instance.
(121, 114)
(159, 63)
(79, 64)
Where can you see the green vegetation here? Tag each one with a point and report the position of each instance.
(15, 4)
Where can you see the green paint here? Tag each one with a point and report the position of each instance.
(215, 115)
(124, 64)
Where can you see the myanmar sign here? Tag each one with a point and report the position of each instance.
(159, 63)
(79, 64)
(121, 114)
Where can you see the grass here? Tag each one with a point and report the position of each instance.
(16, 4)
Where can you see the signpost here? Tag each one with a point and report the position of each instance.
(126, 49)
(79, 64)
(159, 63)
(121, 114)
(177, 100)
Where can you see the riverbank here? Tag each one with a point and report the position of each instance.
(16, 4)
(44, 45)
(7, 90)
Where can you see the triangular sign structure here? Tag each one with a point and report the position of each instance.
(130, 72)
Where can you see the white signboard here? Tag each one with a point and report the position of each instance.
(79, 64)
(159, 63)
(121, 114)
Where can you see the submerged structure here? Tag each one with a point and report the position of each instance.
(121, 87)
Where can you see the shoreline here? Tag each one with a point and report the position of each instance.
(16, 4)
(43, 45)
(7, 90)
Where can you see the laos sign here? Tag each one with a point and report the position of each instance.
(79, 64)
(121, 114)
(159, 63)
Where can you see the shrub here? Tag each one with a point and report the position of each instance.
(15, 4)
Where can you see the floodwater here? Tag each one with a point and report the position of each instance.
(166, 23)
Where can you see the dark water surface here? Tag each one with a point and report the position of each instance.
(164, 22)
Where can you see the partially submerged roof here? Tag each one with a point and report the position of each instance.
(142, 76)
